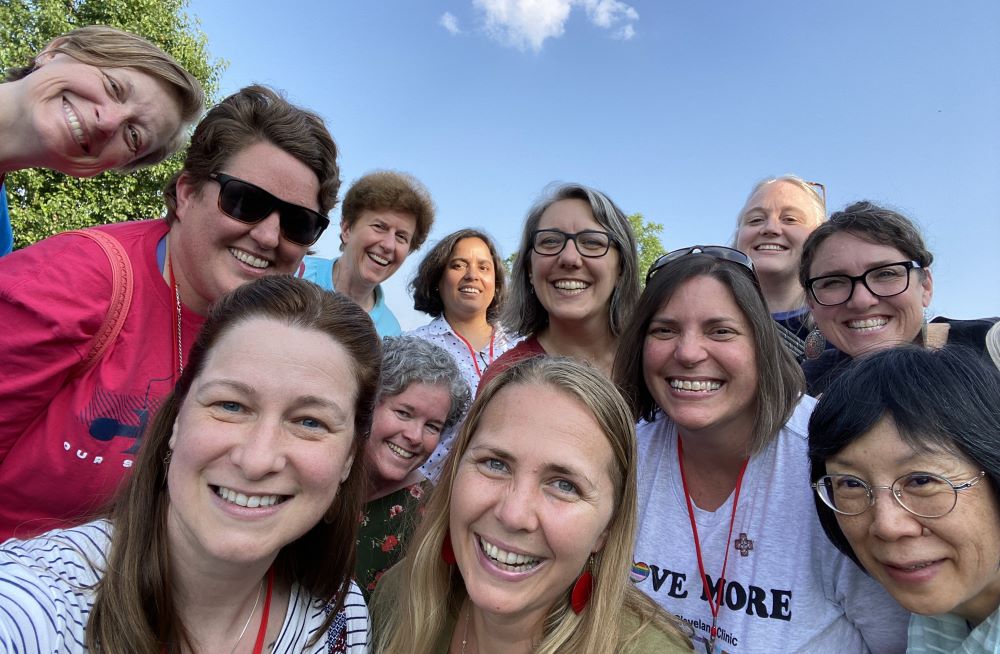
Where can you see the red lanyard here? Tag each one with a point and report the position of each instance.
(472, 351)
(714, 603)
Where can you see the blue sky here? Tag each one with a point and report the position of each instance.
(674, 108)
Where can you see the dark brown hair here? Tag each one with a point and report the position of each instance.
(134, 609)
(424, 287)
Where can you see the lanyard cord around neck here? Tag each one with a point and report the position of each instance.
(472, 351)
(714, 603)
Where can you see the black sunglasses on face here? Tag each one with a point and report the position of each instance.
(714, 251)
(251, 204)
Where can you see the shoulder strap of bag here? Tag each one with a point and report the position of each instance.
(122, 283)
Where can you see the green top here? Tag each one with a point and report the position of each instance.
(385, 526)
(384, 601)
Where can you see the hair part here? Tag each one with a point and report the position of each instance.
(257, 114)
(780, 382)
(946, 399)
(107, 47)
(435, 590)
(425, 284)
(410, 360)
(390, 190)
(869, 222)
(134, 608)
(523, 313)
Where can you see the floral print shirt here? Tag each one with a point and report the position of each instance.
(384, 528)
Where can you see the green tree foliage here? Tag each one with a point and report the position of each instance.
(43, 202)
(647, 238)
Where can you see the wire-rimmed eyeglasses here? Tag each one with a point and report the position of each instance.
(923, 494)
(881, 281)
(590, 243)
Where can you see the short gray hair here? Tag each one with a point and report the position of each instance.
(412, 360)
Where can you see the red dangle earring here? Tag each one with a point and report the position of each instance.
(447, 552)
(582, 589)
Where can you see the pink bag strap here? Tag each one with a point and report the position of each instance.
(122, 283)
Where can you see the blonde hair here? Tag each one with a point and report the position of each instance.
(817, 202)
(434, 591)
(107, 47)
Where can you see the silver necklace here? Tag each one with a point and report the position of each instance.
(465, 636)
(249, 617)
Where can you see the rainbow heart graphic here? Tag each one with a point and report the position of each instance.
(639, 572)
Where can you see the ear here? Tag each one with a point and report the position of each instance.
(345, 233)
(601, 540)
(347, 468)
(187, 194)
(927, 287)
(46, 55)
(172, 443)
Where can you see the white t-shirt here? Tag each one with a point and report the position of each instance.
(46, 596)
(788, 589)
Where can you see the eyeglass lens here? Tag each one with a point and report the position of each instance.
(589, 243)
(251, 204)
(920, 493)
(884, 281)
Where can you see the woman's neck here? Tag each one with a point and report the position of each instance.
(14, 146)
(353, 287)
(712, 465)
(782, 292)
(590, 341)
(472, 328)
(488, 634)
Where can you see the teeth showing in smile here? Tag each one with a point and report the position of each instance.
(570, 285)
(771, 246)
(868, 324)
(469, 289)
(382, 261)
(249, 259)
(688, 385)
(916, 566)
(75, 128)
(508, 560)
(397, 450)
(249, 501)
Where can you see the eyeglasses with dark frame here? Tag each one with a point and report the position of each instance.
(886, 280)
(590, 243)
(715, 251)
(251, 204)
(923, 494)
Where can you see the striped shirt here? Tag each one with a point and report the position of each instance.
(950, 634)
(46, 593)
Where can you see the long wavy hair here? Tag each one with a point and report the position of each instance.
(431, 591)
(134, 608)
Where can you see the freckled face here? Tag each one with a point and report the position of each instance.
(261, 444)
(88, 119)
(532, 500)
(930, 566)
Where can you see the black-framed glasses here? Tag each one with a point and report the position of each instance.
(251, 204)
(921, 493)
(714, 251)
(590, 243)
(881, 281)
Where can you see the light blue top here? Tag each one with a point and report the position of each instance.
(320, 272)
(940, 634)
(6, 234)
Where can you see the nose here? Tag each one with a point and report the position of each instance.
(411, 432)
(570, 255)
(515, 508)
(861, 298)
(771, 225)
(258, 453)
(471, 273)
(267, 233)
(890, 520)
(109, 119)
(689, 350)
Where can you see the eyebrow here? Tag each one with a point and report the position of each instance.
(556, 468)
(868, 267)
(299, 402)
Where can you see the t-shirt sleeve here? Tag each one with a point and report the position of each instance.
(54, 297)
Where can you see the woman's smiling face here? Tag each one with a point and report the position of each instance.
(532, 500)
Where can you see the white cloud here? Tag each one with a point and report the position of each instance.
(450, 23)
(526, 24)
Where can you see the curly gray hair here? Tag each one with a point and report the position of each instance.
(409, 359)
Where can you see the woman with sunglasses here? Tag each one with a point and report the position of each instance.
(236, 532)
(97, 324)
(94, 99)
(574, 281)
(868, 282)
(923, 425)
(727, 536)
(775, 221)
